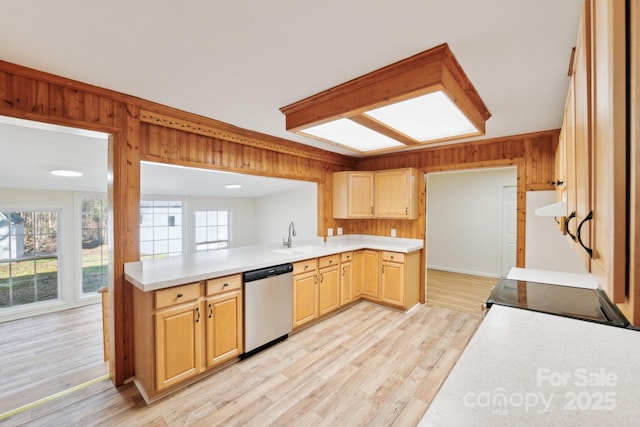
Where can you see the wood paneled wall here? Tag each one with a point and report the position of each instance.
(532, 154)
(142, 130)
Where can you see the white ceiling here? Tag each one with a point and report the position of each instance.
(239, 61)
(31, 150)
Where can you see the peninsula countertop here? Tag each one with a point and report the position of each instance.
(532, 369)
(154, 274)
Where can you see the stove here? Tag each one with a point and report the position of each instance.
(591, 305)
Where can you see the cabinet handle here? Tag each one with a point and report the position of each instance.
(557, 183)
(322, 278)
(316, 281)
(210, 311)
(589, 217)
(179, 296)
(371, 210)
(406, 211)
(197, 314)
(225, 285)
(567, 220)
(343, 268)
(383, 268)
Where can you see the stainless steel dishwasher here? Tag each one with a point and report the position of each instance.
(268, 305)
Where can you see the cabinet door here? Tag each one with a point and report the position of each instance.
(396, 194)
(305, 297)
(178, 343)
(370, 274)
(224, 327)
(608, 191)
(346, 280)
(392, 283)
(357, 274)
(583, 99)
(328, 290)
(360, 197)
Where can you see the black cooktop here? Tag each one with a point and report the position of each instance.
(577, 303)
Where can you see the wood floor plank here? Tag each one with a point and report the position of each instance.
(367, 365)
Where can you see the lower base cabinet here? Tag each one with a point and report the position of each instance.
(182, 332)
(400, 279)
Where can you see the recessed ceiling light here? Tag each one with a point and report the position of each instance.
(66, 173)
(232, 186)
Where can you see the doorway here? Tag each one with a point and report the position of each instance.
(53, 258)
(470, 234)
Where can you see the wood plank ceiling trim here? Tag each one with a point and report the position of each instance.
(286, 147)
(423, 73)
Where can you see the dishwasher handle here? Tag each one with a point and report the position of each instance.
(262, 273)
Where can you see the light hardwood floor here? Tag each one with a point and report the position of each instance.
(367, 365)
(457, 291)
(44, 355)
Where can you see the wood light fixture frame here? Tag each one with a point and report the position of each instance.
(433, 70)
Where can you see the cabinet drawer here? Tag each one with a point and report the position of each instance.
(346, 256)
(224, 284)
(328, 261)
(177, 295)
(393, 256)
(305, 266)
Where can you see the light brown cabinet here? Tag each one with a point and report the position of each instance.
(389, 193)
(183, 331)
(346, 278)
(367, 274)
(224, 327)
(178, 345)
(305, 292)
(396, 194)
(328, 284)
(399, 279)
(353, 194)
(592, 149)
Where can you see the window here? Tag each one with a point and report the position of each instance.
(212, 229)
(95, 250)
(160, 228)
(28, 257)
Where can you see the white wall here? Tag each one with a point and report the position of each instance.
(463, 220)
(276, 211)
(546, 248)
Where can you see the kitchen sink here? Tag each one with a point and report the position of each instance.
(299, 250)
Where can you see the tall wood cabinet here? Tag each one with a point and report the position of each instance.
(593, 146)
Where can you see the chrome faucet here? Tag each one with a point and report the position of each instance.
(292, 231)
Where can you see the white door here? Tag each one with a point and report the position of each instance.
(508, 228)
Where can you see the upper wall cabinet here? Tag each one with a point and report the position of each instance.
(381, 194)
(593, 146)
(353, 194)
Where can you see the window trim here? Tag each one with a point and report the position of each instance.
(185, 220)
(194, 243)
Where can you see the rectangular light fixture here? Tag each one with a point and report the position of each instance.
(421, 99)
(351, 134)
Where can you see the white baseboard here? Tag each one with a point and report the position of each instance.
(462, 271)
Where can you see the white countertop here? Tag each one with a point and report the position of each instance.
(161, 273)
(523, 368)
(576, 280)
